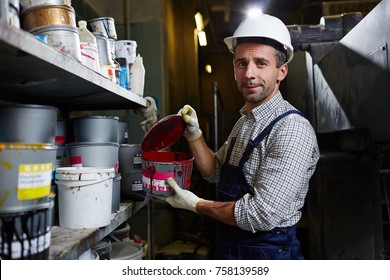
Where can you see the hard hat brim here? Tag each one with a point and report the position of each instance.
(231, 43)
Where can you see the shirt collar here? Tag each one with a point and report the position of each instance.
(264, 109)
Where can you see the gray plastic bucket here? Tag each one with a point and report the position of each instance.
(28, 123)
(94, 154)
(95, 129)
(130, 158)
(116, 194)
(26, 175)
(123, 132)
(131, 186)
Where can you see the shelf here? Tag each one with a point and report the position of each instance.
(33, 72)
(68, 244)
(36, 73)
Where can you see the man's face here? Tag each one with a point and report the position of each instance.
(256, 74)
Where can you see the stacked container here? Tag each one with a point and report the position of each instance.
(104, 30)
(125, 51)
(133, 70)
(55, 20)
(130, 167)
(118, 58)
(27, 156)
(86, 189)
(95, 145)
(93, 43)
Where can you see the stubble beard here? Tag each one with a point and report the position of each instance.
(257, 95)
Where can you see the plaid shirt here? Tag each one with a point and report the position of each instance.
(278, 170)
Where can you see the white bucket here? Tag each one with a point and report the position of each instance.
(84, 196)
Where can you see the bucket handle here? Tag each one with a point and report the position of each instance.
(73, 184)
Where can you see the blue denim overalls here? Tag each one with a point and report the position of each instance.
(235, 243)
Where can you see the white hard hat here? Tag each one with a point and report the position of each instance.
(262, 26)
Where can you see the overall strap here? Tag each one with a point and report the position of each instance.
(254, 143)
(230, 149)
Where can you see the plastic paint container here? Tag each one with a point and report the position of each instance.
(158, 166)
(26, 172)
(26, 235)
(84, 196)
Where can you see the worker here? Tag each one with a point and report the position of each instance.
(263, 169)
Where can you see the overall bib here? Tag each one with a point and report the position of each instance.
(235, 243)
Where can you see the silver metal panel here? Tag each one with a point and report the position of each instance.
(352, 82)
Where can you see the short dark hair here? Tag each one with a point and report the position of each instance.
(281, 53)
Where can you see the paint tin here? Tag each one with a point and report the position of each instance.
(47, 15)
(64, 38)
(123, 132)
(26, 172)
(105, 25)
(95, 129)
(130, 167)
(131, 186)
(126, 49)
(130, 158)
(95, 154)
(158, 166)
(27, 4)
(28, 123)
(26, 235)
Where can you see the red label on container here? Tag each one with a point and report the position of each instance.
(158, 182)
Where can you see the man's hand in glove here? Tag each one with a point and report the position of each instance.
(149, 113)
(192, 131)
(182, 198)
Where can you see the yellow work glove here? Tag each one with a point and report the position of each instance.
(192, 131)
(182, 199)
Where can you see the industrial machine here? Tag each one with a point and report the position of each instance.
(340, 78)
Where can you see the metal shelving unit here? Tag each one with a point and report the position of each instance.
(68, 244)
(32, 72)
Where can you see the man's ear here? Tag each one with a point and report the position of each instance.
(283, 70)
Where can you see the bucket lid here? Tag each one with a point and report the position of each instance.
(164, 133)
(125, 250)
(77, 174)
